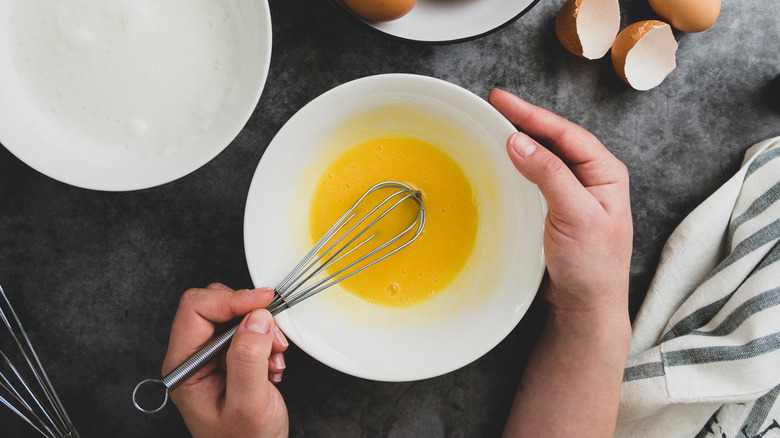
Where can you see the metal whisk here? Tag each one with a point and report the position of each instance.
(309, 277)
(24, 386)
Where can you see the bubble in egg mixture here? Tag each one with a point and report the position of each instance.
(393, 288)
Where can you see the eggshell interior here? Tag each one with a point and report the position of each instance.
(587, 28)
(643, 54)
(651, 59)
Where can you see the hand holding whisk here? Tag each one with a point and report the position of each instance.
(24, 386)
(354, 230)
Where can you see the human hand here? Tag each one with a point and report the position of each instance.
(233, 395)
(573, 376)
(588, 230)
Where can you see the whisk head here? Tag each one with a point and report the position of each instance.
(24, 386)
(350, 236)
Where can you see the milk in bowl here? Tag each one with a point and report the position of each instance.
(113, 83)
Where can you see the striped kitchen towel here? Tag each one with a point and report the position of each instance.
(705, 350)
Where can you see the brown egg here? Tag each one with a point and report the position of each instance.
(380, 10)
(688, 15)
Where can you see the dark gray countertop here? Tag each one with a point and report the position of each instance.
(96, 276)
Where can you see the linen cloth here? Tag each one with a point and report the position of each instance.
(705, 349)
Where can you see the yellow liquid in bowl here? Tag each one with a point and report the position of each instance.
(430, 263)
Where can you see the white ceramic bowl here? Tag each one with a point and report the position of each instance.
(115, 95)
(481, 306)
(448, 21)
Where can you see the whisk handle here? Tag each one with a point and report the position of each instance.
(189, 367)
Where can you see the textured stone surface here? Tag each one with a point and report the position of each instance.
(96, 276)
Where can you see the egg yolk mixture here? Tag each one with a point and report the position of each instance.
(431, 262)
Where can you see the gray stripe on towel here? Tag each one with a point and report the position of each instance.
(761, 160)
(759, 412)
(772, 257)
(695, 320)
(643, 371)
(758, 206)
(693, 356)
(748, 245)
(744, 311)
(703, 315)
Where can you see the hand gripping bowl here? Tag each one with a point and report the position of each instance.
(115, 95)
(466, 319)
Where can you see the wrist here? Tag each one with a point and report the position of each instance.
(609, 328)
(607, 319)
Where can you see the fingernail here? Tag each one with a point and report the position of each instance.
(280, 338)
(278, 361)
(258, 322)
(260, 289)
(521, 144)
(275, 377)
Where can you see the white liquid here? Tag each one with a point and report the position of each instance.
(138, 77)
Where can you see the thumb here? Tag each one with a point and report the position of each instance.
(247, 361)
(560, 187)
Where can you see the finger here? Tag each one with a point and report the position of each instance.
(276, 363)
(248, 361)
(560, 135)
(275, 377)
(221, 305)
(218, 286)
(199, 309)
(590, 161)
(280, 341)
(565, 195)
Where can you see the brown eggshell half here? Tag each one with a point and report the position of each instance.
(643, 54)
(587, 28)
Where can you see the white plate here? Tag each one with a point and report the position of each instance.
(118, 96)
(449, 21)
(462, 322)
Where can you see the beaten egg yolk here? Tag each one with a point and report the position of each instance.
(431, 262)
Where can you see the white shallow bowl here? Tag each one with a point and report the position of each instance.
(462, 322)
(450, 21)
(125, 121)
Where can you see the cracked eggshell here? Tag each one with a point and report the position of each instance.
(588, 27)
(643, 54)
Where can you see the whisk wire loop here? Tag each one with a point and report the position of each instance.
(309, 277)
(288, 297)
